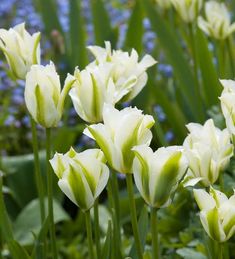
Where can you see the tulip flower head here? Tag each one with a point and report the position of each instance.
(120, 132)
(164, 4)
(82, 176)
(43, 96)
(94, 86)
(217, 213)
(218, 21)
(208, 150)
(187, 9)
(126, 68)
(157, 174)
(21, 49)
(227, 100)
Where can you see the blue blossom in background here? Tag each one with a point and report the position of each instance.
(166, 70)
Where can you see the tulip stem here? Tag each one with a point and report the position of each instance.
(220, 252)
(38, 175)
(114, 184)
(221, 181)
(230, 54)
(50, 193)
(133, 215)
(89, 234)
(97, 228)
(154, 230)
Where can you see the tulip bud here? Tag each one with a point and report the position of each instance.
(227, 100)
(94, 86)
(125, 67)
(187, 9)
(164, 4)
(120, 132)
(43, 96)
(82, 176)
(157, 174)
(217, 213)
(20, 49)
(208, 150)
(218, 23)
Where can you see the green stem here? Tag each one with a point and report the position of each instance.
(89, 234)
(221, 58)
(221, 181)
(154, 230)
(230, 54)
(116, 204)
(97, 228)
(50, 193)
(133, 215)
(220, 252)
(38, 175)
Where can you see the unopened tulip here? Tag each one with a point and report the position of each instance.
(120, 132)
(21, 49)
(218, 21)
(227, 100)
(158, 173)
(94, 86)
(82, 176)
(208, 150)
(217, 213)
(187, 9)
(126, 67)
(43, 96)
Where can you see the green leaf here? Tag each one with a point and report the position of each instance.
(211, 85)
(78, 55)
(175, 56)
(143, 226)
(102, 25)
(29, 221)
(107, 243)
(38, 244)
(17, 251)
(133, 35)
(48, 11)
(189, 253)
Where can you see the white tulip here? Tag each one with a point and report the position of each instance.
(158, 173)
(227, 100)
(125, 68)
(120, 132)
(187, 9)
(21, 49)
(217, 213)
(208, 150)
(82, 176)
(94, 86)
(218, 21)
(43, 96)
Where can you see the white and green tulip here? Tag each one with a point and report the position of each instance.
(82, 176)
(208, 150)
(217, 213)
(158, 173)
(187, 9)
(21, 49)
(227, 100)
(120, 132)
(218, 21)
(126, 68)
(43, 96)
(94, 86)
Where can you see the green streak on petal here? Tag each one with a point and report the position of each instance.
(95, 102)
(167, 179)
(40, 105)
(89, 177)
(230, 224)
(36, 43)
(78, 188)
(102, 144)
(213, 224)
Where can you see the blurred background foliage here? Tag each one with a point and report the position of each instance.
(175, 95)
